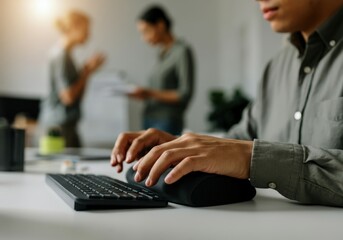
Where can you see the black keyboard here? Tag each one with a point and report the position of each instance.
(87, 192)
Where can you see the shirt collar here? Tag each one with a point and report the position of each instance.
(330, 33)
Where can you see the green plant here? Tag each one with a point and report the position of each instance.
(226, 111)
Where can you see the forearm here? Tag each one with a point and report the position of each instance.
(305, 174)
(171, 97)
(75, 92)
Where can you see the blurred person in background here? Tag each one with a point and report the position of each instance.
(171, 81)
(68, 83)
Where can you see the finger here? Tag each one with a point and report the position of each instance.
(119, 168)
(188, 165)
(148, 161)
(147, 139)
(169, 158)
(135, 166)
(120, 148)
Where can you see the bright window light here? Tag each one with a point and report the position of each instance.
(44, 7)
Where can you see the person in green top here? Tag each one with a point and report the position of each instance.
(67, 83)
(171, 82)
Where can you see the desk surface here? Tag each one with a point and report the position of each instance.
(29, 209)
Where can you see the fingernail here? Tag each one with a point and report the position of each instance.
(128, 158)
(148, 182)
(168, 179)
(138, 177)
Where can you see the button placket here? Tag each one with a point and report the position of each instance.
(297, 115)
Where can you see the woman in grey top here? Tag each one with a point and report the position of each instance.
(67, 83)
(172, 80)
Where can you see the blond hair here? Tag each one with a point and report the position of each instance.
(71, 19)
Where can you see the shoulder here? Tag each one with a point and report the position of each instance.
(182, 49)
(285, 56)
(182, 46)
(57, 54)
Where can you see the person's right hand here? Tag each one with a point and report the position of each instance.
(93, 63)
(131, 146)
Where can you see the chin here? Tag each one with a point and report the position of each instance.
(280, 28)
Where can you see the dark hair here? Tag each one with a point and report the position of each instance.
(155, 14)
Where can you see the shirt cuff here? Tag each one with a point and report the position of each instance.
(277, 166)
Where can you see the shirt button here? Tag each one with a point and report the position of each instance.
(272, 185)
(307, 70)
(297, 115)
(332, 43)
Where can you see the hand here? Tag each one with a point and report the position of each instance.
(140, 93)
(94, 63)
(191, 153)
(130, 146)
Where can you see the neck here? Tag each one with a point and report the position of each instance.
(323, 14)
(167, 41)
(67, 45)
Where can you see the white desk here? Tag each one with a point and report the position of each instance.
(29, 209)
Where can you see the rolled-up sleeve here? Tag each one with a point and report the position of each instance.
(302, 173)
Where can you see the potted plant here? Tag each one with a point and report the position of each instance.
(226, 111)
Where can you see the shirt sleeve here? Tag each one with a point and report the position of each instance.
(59, 71)
(303, 173)
(186, 73)
(247, 128)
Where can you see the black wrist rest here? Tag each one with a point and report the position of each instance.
(198, 189)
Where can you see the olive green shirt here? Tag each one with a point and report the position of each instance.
(297, 119)
(174, 70)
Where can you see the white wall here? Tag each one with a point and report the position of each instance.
(230, 48)
(27, 39)
(246, 43)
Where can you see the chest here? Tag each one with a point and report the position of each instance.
(304, 104)
(165, 74)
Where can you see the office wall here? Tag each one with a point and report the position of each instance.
(230, 48)
(28, 37)
(246, 44)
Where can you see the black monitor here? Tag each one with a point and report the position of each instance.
(11, 106)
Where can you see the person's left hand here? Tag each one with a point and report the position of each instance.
(192, 152)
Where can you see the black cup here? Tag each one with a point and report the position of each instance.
(12, 146)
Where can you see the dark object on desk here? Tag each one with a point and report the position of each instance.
(12, 145)
(10, 107)
(88, 192)
(199, 189)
